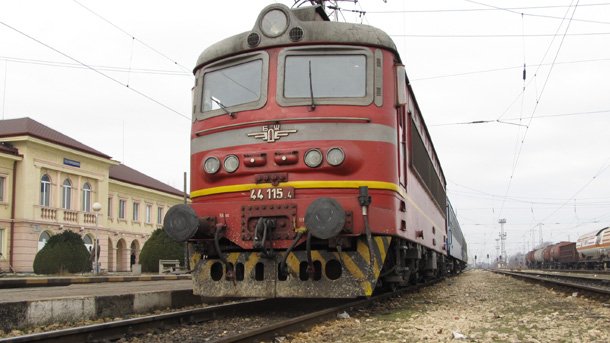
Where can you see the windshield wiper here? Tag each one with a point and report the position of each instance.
(313, 104)
(231, 114)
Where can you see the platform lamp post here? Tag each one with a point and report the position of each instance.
(97, 207)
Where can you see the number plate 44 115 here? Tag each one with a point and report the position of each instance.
(276, 193)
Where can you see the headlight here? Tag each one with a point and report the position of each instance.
(274, 23)
(313, 158)
(231, 163)
(335, 156)
(211, 165)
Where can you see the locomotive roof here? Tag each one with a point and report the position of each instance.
(316, 29)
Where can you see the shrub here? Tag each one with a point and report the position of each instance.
(160, 247)
(63, 253)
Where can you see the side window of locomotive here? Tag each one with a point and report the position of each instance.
(342, 76)
(231, 86)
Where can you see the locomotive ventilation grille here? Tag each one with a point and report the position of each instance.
(253, 39)
(296, 34)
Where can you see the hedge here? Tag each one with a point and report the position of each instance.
(160, 247)
(63, 253)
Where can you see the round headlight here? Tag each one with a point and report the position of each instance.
(211, 165)
(274, 23)
(231, 163)
(335, 156)
(313, 158)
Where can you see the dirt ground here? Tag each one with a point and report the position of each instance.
(477, 306)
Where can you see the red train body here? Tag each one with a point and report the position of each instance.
(312, 171)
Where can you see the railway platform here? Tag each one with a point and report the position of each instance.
(72, 299)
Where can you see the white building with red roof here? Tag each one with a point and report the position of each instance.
(49, 183)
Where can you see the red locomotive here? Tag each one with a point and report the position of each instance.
(312, 171)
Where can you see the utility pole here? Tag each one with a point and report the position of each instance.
(498, 256)
(503, 241)
(540, 234)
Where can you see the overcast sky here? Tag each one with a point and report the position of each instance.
(547, 159)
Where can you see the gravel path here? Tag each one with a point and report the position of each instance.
(477, 306)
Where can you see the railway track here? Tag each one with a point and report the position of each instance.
(572, 280)
(310, 311)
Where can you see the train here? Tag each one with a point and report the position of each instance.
(312, 172)
(590, 251)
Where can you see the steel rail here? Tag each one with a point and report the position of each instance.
(138, 326)
(553, 279)
(298, 323)
(118, 329)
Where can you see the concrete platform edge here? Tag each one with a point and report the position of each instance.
(65, 281)
(28, 314)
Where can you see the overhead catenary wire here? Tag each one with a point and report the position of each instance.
(442, 10)
(540, 116)
(533, 35)
(538, 15)
(133, 37)
(95, 70)
(98, 67)
(476, 72)
(527, 127)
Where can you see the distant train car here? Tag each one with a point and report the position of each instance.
(563, 255)
(594, 247)
(591, 251)
(456, 244)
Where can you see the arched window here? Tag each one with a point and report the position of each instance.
(45, 190)
(66, 194)
(43, 239)
(87, 197)
(88, 243)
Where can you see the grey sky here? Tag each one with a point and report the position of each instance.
(560, 174)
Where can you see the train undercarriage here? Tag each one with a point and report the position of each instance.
(322, 271)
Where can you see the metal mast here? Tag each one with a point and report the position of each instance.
(503, 241)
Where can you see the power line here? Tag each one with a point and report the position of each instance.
(95, 70)
(481, 9)
(539, 15)
(133, 37)
(487, 121)
(540, 35)
(518, 153)
(503, 69)
(104, 68)
(604, 167)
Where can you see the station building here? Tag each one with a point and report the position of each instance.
(49, 183)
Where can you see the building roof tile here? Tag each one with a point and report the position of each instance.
(30, 127)
(123, 173)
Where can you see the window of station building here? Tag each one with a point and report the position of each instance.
(110, 209)
(2, 243)
(148, 215)
(87, 197)
(159, 215)
(45, 190)
(122, 205)
(66, 194)
(2, 185)
(136, 212)
(88, 240)
(43, 239)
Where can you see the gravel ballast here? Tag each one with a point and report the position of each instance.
(477, 306)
